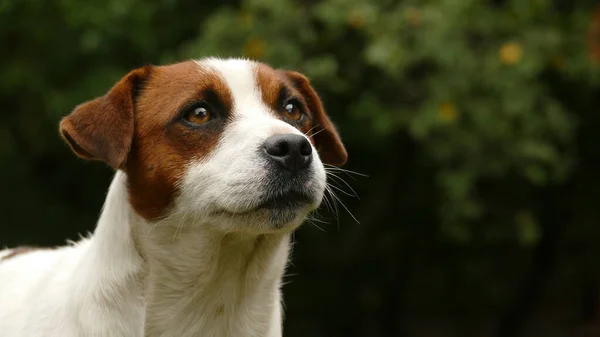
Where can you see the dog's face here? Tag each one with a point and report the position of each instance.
(231, 144)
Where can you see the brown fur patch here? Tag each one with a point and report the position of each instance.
(142, 134)
(101, 129)
(271, 83)
(20, 250)
(161, 147)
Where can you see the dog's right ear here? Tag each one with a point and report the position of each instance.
(102, 129)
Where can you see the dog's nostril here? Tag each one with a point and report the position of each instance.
(277, 148)
(305, 148)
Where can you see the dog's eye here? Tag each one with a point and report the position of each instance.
(198, 114)
(292, 111)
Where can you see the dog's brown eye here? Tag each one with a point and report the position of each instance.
(198, 115)
(292, 111)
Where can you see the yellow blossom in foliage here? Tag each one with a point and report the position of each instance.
(448, 112)
(356, 19)
(511, 53)
(413, 16)
(254, 48)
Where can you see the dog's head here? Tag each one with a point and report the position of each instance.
(232, 144)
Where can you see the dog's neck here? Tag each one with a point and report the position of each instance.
(189, 280)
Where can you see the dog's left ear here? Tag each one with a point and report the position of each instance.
(102, 129)
(327, 140)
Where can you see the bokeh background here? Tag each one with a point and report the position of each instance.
(476, 122)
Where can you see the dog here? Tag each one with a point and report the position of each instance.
(217, 162)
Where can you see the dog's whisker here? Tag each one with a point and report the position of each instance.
(311, 129)
(328, 204)
(316, 133)
(341, 190)
(314, 218)
(331, 171)
(315, 225)
(335, 207)
(337, 178)
(335, 168)
(346, 208)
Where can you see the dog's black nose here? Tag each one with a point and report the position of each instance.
(290, 151)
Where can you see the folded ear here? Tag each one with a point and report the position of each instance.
(327, 141)
(102, 129)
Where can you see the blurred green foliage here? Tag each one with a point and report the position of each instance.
(475, 121)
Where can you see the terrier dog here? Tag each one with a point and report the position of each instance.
(217, 161)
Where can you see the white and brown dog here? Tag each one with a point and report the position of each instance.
(217, 161)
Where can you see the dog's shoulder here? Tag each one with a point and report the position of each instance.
(14, 252)
(31, 283)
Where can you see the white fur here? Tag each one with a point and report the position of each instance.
(203, 273)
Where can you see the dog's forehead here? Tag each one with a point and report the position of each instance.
(253, 86)
(239, 76)
(248, 89)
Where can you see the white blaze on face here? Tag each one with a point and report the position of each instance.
(232, 177)
(239, 75)
(248, 106)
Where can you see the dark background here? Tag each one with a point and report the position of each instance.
(476, 122)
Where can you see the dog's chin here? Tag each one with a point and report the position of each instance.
(269, 217)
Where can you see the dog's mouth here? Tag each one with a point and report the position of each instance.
(291, 201)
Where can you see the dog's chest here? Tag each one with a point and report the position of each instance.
(219, 311)
(234, 291)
